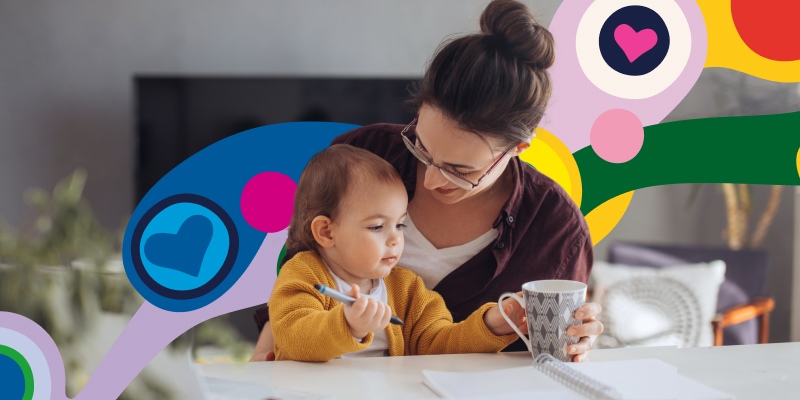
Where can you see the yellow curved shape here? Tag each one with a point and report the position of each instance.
(798, 161)
(552, 157)
(606, 216)
(726, 49)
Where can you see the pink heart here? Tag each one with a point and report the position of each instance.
(633, 43)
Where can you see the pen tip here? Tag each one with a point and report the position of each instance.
(317, 286)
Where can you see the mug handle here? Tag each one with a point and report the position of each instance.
(514, 327)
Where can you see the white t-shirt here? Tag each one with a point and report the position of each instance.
(380, 342)
(432, 264)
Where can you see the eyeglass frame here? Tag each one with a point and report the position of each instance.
(447, 173)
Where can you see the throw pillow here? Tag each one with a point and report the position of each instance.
(645, 306)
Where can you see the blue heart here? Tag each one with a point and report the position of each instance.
(183, 251)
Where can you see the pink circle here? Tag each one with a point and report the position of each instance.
(617, 135)
(267, 201)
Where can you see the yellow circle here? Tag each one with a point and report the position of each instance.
(552, 157)
(606, 216)
(798, 161)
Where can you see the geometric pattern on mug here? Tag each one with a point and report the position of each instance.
(549, 316)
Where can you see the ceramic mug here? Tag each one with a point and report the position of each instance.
(550, 307)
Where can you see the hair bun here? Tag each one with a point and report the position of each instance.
(512, 23)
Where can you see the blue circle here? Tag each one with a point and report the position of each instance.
(184, 257)
(12, 377)
(638, 18)
(190, 258)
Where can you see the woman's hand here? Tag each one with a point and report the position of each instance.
(587, 331)
(498, 325)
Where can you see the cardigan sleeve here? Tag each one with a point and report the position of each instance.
(303, 328)
(432, 330)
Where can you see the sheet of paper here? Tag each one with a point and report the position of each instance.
(521, 381)
(648, 379)
(632, 379)
(534, 395)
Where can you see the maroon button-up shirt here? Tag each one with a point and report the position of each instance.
(542, 233)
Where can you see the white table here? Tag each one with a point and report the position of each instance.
(766, 371)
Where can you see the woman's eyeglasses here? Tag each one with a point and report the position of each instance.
(457, 178)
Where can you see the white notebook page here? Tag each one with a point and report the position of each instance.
(633, 379)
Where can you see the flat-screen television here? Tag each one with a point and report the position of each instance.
(179, 116)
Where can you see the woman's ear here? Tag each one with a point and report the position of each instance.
(520, 148)
(321, 229)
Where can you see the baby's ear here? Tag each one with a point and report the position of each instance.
(321, 229)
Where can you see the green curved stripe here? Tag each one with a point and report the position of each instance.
(281, 255)
(24, 366)
(755, 149)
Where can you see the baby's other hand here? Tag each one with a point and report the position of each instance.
(498, 325)
(366, 314)
(268, 356)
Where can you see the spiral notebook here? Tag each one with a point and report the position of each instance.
(549, 378)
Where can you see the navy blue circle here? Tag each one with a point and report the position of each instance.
(212, 283)
(13, 378)
(638, 18)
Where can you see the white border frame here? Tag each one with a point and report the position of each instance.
(794, 307)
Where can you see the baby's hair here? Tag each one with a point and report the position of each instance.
(324, 184)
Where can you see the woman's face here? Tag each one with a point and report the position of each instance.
(462, 151)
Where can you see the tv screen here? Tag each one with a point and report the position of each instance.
(179, 116)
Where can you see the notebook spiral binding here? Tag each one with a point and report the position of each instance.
(574, 380)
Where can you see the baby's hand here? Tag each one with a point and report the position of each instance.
(498, 325)
(366, 314)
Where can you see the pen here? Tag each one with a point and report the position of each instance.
(345, 299)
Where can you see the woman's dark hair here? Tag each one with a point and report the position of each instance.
(494, 82)
(323, 185)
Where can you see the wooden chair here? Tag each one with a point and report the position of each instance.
(759, 307)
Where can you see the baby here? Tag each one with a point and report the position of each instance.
(347, 233)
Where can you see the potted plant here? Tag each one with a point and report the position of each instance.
(82, 294)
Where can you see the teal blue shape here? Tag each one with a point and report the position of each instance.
(170, 220)
(12, 377)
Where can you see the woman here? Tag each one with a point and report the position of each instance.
(480, 221)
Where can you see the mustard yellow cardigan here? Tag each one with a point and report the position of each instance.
(308, 326)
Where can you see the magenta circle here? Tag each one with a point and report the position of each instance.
(267, 201)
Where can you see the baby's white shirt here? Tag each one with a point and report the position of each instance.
(380, 342)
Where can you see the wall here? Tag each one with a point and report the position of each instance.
(67, 67)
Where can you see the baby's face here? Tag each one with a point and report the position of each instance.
(368, 231)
